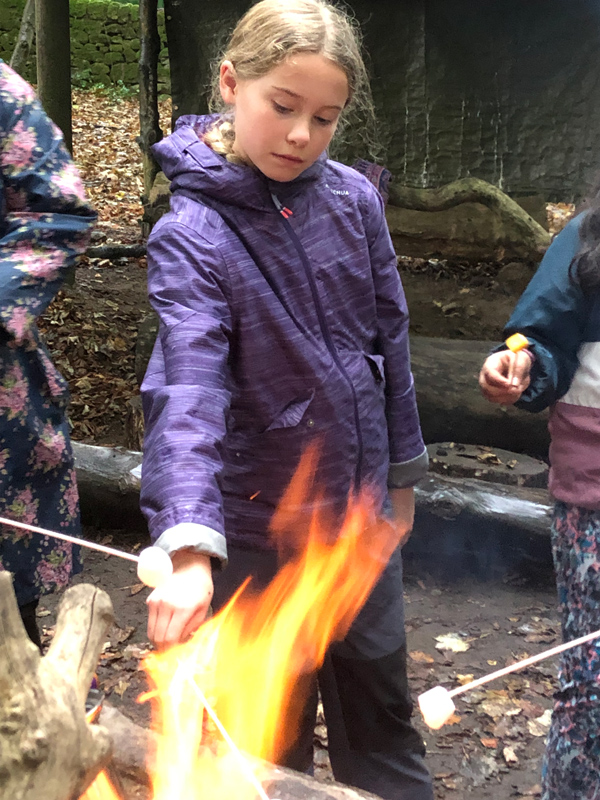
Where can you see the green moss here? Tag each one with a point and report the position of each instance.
(113, 57)
(130, 54)
(104, 38)
(99, 70)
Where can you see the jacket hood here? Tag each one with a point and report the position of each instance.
(195, 169)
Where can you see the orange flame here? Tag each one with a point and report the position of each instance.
(249, 660)
(101, 789)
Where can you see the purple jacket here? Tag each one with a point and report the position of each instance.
(274, 330)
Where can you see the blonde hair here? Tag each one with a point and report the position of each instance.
(273, 30)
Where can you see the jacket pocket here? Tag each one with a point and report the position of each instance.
(376, 364)
(292, 414)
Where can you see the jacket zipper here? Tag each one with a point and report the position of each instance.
(286, 214)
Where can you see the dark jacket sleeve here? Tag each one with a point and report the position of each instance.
(552, 314)
(408, 456)
(186, 389)
(47, 220)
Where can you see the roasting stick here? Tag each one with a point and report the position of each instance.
(242, 763)
(437, 706)
(515, 344)
(154, 564)
(111, 551)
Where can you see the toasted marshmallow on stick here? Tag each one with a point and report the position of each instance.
(437, 705)
(154, 564)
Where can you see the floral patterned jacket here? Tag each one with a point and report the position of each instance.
(45, 223)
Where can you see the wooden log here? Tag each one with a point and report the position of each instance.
(133, 747)
(520, 507)
(116, 251)
(110, 494)
(451, 407)
(47, 749)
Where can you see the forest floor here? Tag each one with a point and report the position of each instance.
(494, 745)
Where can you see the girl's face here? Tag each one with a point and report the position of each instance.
(285, 119)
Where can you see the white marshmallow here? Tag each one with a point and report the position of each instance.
(436, 707)
(154, 566)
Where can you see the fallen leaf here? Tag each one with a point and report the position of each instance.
(421, 658)
(452, 642)
(510, 756)
(533, 791)
(540, 725)
(464, 679)
(119, 635)
(488, 742)
(136, 589)
(121, 687)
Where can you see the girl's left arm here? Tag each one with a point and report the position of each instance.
(408, 456)
(47, 220)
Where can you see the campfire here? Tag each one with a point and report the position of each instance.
(221, 701)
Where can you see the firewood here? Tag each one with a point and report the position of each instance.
(47, 749)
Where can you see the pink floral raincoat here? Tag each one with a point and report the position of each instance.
(44, 224)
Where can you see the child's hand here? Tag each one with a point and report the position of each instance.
(505, 376)
(179, 606)
(403, 506)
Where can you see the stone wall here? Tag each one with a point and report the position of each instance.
(105, 44)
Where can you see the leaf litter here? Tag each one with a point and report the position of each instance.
(91, 327)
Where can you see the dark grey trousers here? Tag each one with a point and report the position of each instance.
(363, 686)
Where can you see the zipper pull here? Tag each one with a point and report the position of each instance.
(285, 212)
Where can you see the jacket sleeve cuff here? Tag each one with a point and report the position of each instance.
(193, 536)
(407, 473)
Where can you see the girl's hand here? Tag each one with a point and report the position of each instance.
(403, 506)
(179, 606)
(505, 376)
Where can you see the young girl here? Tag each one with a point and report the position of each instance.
(559, 315)
(282, 321)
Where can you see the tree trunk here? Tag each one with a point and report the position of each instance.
(150, 131)
(474, 190)
(54, 62)
(24, 38)
(195, 29)
(47, 749)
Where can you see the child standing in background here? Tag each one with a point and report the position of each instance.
(45, 223)
(282, 321)
(559, 314)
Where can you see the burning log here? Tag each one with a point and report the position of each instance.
(134, 747)
(47, 749)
